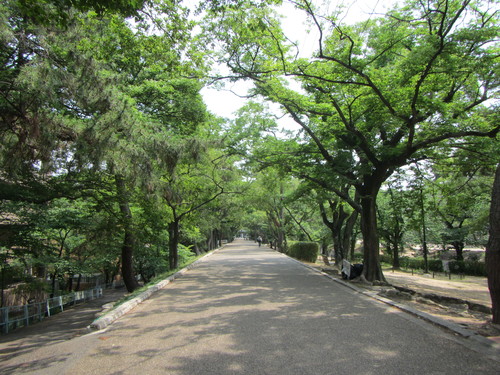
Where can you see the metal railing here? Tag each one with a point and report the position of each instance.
(12, 317)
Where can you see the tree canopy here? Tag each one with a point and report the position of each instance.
(377, 95)
(110, 159)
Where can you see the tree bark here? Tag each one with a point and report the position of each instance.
(341, 230)
(210, 240)
(128, 240)
(348, 234)
(339, 218)
(53, 293)
(493, 249)
(372, 271)
(459, 248)
(173, 242)
(78, 282)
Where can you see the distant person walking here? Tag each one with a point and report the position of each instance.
(259, 240)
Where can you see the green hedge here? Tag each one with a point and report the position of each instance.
(468, 267)
(471, 268)
(307, 251)
(385, 258)
(435, 265)
(357, 258)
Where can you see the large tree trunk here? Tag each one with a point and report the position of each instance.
(53, 293)
(459, 248)
(173, 242)
(372, 271)
(493, 249)
(210, 240)
(128, 239)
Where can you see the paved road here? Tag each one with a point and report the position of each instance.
(70, 323)
(250, 310)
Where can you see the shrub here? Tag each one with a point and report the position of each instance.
(385, 258)
(435, 265)
(414, 263)
(289, 244)
(185, 253)
(307, 251)
(357, 258)
(471, 268)
(418, 263)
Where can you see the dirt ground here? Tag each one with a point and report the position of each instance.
(473, 290)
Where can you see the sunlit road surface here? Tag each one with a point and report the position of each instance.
(251, 310)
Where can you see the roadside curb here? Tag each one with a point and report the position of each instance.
(453, 327)
(107, 319)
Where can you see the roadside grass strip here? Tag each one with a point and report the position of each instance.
(127, 303)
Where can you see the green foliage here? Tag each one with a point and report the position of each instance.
(30, 286)
(56, 12)
(435, 265)
(376, 95)
(82, 94)
(467, 267)
(386, 258)
(185, 254)
(10, 273)
(357, 258)
(307, 251)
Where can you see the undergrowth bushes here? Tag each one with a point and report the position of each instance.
(467, 267)
(307, 251)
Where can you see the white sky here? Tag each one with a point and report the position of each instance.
(225, 102)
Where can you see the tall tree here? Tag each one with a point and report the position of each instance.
(381, 92)
(393, 210)
(493, 249)
(90, 94)
(191, 185)
(460, 201)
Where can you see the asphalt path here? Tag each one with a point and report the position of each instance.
(251, 310)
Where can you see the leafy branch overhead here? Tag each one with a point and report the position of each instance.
(377, 95)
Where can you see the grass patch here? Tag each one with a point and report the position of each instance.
(155, 280)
